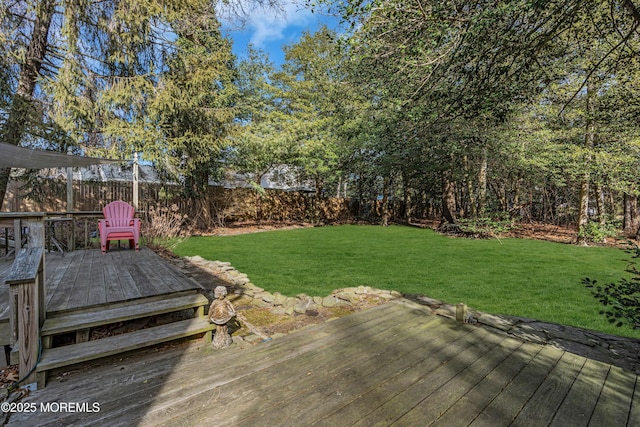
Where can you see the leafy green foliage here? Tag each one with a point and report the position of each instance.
(596, 232)
(485, 226)
(621, 300)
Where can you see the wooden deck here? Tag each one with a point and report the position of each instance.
(396, 364)
(89, 278)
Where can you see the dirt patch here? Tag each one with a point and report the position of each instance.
(538, 231)
(271, 324)
(247, 227)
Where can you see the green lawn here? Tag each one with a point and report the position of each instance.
(528, 278)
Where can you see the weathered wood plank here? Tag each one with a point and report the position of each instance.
(26, 266)
(146, 285)
(28, 329)
(78, 353)
(59, 300)
(578, 404)
(395, 398)
(108, 314)
(175, 279)
(277, 353)
(113, 285)
(467, 408)
(127, 283)
(300, 375)
(614, 403)
(506, 406)
(87, 278)
(56, 268)
(542, 406)
(140, 389)
(25, 277)
(634, 414)
(154, 283)
(307, 380)
(4, 301)
(79, 294)
(428, 356)
(428, 410)
(97, 287)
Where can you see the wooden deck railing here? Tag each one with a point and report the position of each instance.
(27, 291)
(64, 231)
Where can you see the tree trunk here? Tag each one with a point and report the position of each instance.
(600, 204)
(589, 138)
(471, 194)
(408, 208)
(448, 198)
(21, 104)
(630, 221)
(482, 184)
(583, 210)
(385, 201)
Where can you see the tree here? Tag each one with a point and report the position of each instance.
(311, 95)
(72, 64)
(260, 145)
(451, 71)
(191, 109)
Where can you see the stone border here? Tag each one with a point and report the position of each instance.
(281, 304)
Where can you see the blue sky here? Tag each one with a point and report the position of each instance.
(269, 30)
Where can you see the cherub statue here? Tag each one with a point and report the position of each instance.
(220, 312)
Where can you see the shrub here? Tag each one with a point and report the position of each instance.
(164, 223)
(485, 227)
(622, 299)
(595, 232)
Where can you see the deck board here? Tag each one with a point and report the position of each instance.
(97, 290)
(467, 408)
(543, 405)
(395, 363)
(128, 285)
(71, 265)
(89, 278)
(578, 403)
(514, 397)
(614, 403)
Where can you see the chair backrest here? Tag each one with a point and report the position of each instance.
(118, 213)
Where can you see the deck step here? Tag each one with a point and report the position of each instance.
(91, 350)
(70, 322)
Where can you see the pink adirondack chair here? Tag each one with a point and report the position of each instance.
(119, 224)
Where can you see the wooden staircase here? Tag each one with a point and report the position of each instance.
(81, 322)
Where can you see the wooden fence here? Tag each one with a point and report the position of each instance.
(223, 205)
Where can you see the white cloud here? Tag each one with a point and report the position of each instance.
(267, 25)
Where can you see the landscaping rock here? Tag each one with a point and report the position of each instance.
(279, 310)
(279, 299)
(497, 322)
(257, 302)
(331, 301)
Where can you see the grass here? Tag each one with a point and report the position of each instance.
(528, 278)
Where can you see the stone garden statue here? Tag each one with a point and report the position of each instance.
(220, 312)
